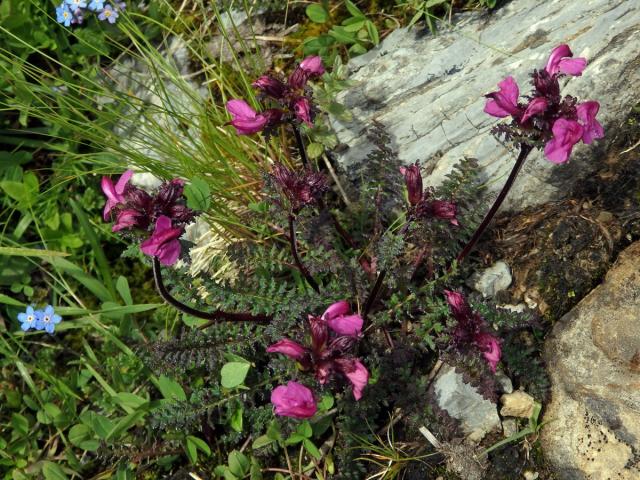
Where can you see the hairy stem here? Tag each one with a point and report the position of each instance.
(213, 317)
(374, 294)
(301, 147)
(294, 251)
(524, 151)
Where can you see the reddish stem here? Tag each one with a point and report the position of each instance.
(524, 151)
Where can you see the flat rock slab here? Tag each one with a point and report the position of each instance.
(477, 415)
(428, 91)
(593, 356)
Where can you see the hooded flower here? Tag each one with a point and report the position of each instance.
(421, 203)
(587, 112)
(293, 400)
(413, 179)
(470, 329)
(302, 109)
(114, 193)
(244, 118)
(505, 101)
(566, 133)
(547, 118)
(341, 323)
(560, 61)
(163, 243)
(293, 99)
(329, 352)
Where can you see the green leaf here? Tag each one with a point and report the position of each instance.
(294, 438)
(16, 190)
(101, 425)
(262, 441)
(238, 464)
(191, 449)
(79, 433)
(314, 150)
(127, 399)
(304, 429)
(7, 300)
(312, 449)
(53, 471)
(317, 13)
(432, 3)
(30, 252)
(192, 322)
(200, 444)
(373, 32)
(198, 194)
(20, 423)
(353, 10)
(122, 286)
(234, 373)
(171, 389)
(342, 36)
(236, 420)
(326, 402)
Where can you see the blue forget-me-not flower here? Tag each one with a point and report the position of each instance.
(96, 5)
(28, 319)
(64, 14)
(47, 319)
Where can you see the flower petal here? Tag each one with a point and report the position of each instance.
(289, 348)
(336, 309)
(293, 400)
(536, 106)
(346, 324)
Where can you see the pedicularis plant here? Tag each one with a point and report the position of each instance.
(345, 296)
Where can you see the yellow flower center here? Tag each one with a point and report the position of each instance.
(107, 13)
(65, 14)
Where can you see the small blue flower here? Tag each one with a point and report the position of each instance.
(28, 319)
(64, 15)
(75, 4)
(108, 14)
(47, 319)
(96, 5)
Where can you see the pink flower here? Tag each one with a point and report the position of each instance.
(490, 347)
(163, 243)
(560, 61)
(294, 400)
(302, 109)
(536, 106)
(244, 118)
(505, 101)
(566, 133)
(114, 193)
(271, 86)
(291, 349)
(444, 210)
(356, 373)
(339, 322)
(126, 219)
(587, 112)
(413, 180)
(312, 66)
(470, 329)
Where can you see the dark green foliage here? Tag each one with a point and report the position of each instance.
(521, 351)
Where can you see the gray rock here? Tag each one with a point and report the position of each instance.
(506, 386)
(477, 415)
(428, 90)
(491, 280)
(593, 357)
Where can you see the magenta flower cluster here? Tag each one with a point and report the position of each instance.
(134, 209)
(471, 330)
(333, 337)
(547, 117)
(292, 98)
